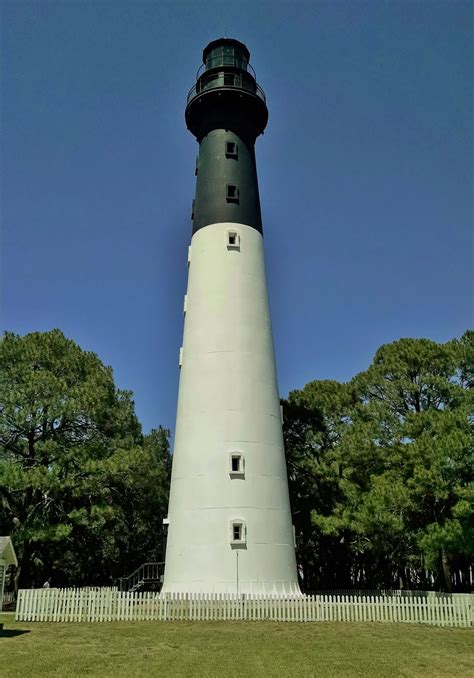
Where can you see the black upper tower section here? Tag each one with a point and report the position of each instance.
(226, 94)
(226, 111)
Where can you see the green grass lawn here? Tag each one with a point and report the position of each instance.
(229, 649)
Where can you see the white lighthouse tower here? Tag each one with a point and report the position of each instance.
(229, 513)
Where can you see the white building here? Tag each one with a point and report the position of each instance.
(7, 557)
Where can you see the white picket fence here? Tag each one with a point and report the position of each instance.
(102, 605)
(8, 597)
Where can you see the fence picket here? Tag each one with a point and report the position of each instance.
(468, 610)
(19, 605)
(441, 603)
(39, 606)
(22, 605)
(32, 605)
(462, 611)
(25, 608)
(440, 611)
(433, 610)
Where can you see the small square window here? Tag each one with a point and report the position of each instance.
(232, 193)
(237, 532)
(233, 240)
(231, 149)
(236, 464)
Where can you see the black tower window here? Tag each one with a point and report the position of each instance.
(232, 193)
(231, 150)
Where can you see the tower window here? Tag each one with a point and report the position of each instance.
(232, 193)
(231, 149)
(236, 464)
(233, 240)
(237, 532)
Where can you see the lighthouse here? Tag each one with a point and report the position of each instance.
(229, 520)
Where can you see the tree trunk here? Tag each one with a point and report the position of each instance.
(446, 571)
(16, 578)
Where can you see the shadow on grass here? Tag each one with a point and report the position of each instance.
(11, 633)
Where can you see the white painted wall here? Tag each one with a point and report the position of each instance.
(228, 402)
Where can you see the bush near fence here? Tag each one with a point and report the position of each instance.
(364, 593)
(101, 605)
(8, 600)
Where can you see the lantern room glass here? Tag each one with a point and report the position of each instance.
(226, 55)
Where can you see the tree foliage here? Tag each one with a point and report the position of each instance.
(381, 470)
(82, 491)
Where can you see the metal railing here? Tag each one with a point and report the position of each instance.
(236, 62)
(148, 573)
(223, 80)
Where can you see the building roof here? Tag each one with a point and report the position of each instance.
(7, 552)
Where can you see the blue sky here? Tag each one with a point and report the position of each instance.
(365, 176)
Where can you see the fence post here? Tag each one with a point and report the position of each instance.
(19, 606)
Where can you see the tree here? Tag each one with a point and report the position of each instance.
(69, 439)
(315, 421)
(141, 490)
(382, 469)
(415, 394)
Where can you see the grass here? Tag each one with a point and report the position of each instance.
(228, 649)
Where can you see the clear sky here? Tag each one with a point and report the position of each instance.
(365, 177)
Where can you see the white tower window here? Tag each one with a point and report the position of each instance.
(233, 240)
(236, 464)
(238, 532)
